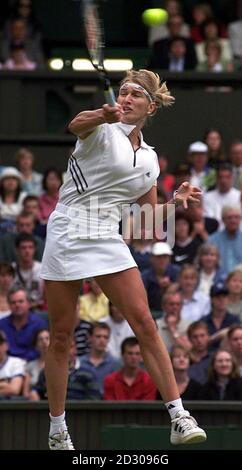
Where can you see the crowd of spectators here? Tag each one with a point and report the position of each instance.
(205, 43)
(21, 45)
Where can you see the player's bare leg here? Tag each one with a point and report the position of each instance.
(62, 299)
(126, 290)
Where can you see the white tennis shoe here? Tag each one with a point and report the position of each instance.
(60, 441)
(185, 430)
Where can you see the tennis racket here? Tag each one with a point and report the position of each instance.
(95, 43)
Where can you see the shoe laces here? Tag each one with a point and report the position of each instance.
(62, 440)
(184, 420)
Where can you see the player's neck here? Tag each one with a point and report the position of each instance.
(134, 138)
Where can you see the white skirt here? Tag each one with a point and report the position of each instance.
(67, 259)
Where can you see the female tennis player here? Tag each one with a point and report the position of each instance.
(111, 166)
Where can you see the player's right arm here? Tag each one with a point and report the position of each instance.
(86, 122)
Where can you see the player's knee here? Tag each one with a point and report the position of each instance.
(144, 325)
(61, 341)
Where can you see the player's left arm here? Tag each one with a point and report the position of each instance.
(184, 196)
(149, 198)
(149, 204)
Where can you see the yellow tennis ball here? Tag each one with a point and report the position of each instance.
(154, 16)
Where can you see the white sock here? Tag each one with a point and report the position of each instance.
(173, 407)
(57, 424)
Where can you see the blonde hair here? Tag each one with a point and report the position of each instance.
(206, 249)
(234, 273)
(179, 347)
(152, 83)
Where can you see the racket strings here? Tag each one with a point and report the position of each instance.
(94, 37)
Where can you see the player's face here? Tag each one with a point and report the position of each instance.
(135, 105)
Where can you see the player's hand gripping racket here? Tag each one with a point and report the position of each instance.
(94, 38)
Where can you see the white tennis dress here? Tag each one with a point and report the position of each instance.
(104, 175)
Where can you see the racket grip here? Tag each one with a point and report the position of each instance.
(110, 96)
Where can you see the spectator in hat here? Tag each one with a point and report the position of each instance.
(201, 175)
(11, 194)
(12, 371)
(219, 319)
(160, 275)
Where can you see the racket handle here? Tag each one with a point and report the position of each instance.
(110, 96)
